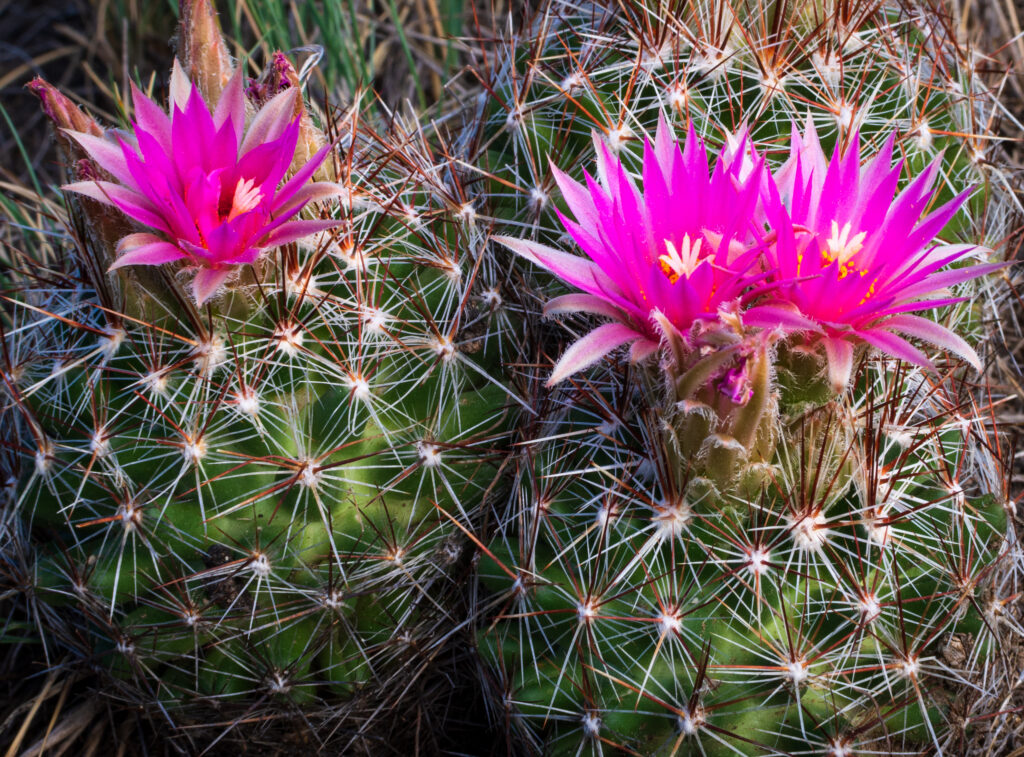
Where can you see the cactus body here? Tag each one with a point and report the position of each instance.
(681, 575)
(253, 502)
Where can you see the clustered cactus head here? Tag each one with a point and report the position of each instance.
(724, 551)
(255, 503)
(208, 185)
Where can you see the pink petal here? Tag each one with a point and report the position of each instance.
(316, 191)
(840, 363)
(207, 281)
(145, 249)
(579, 272)
(272, 120)
(181, 87)
(772, 316)
(152, 119)
(943, 279)
(577, 198)
(293, 230)
(304, 174)
(107, 154)
(587, 350)
(130, 202)
(642, 349)
(231, 106)
(895, 346)
(931, 332)
(582, 303)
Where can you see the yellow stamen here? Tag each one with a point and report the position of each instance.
(842, 248)
(677, 263)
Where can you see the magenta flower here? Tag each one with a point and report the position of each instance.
(673, 255)
(856, 258)
(213, 191)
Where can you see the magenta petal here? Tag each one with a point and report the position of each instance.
(929, 331)
(587, 350)
(304, 174)
(207, 281)
(145, 249)
(775, 316)
(317, 191)
(840, 362)
(231, 106)
(294, 230)
(130, 202)
(895, 346)
(943, 279)
(151, 119)
(579, 200)
(582, 303)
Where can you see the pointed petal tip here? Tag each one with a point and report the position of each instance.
(206, 283)
(590, 348)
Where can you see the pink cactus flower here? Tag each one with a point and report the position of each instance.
(857, 259)
(669, 257)
(213, 191)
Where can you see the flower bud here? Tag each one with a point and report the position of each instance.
(202, 50)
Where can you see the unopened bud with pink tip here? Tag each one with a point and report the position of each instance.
(65, 115)
(202, 49)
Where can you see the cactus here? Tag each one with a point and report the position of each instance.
(246, 498)
(303, 429)
(690, 568)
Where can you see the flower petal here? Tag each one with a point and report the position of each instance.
(587, 350)
(181, 87)
(840, 362)
(272, 120)
(772, 316)
(294, 230)
(929, 331)
(145, 249)
(106, 153)
(579, 272)
(130, 202)
(895, 346)
(231, 106)
(582, 303)
(642, 349)
(207, 281)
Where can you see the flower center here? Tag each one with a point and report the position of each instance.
(842, 248)
(680, 262)
(247, 196)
